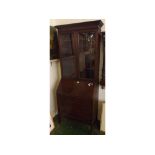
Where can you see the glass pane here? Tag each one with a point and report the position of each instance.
(66, 45)
(87, 42)
(87, 63)
(87, 55)
(68, 65)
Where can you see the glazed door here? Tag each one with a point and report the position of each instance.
(86, 54)
(67, 55)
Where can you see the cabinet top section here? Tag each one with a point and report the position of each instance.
(77, 26)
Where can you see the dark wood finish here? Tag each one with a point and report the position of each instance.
(102, 82)
(79, 49)
(80, 26)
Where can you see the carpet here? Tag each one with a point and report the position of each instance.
(72, 127)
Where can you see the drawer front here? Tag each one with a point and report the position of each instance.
(76, 108)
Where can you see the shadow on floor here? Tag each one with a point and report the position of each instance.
(71, 127)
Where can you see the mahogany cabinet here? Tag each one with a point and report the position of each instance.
(79, 53)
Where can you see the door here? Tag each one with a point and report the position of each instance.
(67, 55)
(86, 53)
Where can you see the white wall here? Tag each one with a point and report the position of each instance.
(54, 81)
(55, 72)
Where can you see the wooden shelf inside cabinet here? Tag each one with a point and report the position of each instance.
(77, 93)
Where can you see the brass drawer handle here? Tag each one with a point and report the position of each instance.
(90, 84)
(77, 82)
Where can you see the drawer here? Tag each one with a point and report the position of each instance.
(76, 108)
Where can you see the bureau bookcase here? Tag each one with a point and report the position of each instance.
(79, 53)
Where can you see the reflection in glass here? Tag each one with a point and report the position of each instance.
(66, 45)
(68, 67)
(87, 55)
(87, 41)
(87, 66)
